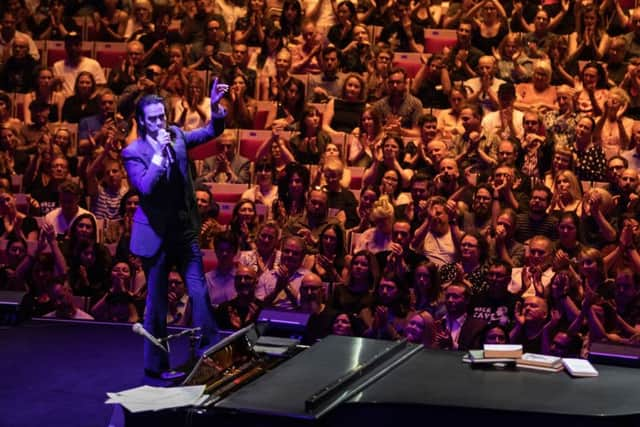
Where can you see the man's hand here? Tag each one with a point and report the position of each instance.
(217, 92)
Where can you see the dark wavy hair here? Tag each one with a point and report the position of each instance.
(283, 183)
(340, 244)
(140, 113)
(291, 28)
(272, 32)
(374, 269)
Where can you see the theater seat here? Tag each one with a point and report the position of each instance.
(225, 213)
(55, 51)
(265, 109)
(227, 193)
(436, 40)
(356, 177)
(250, 140)
(110, 55)
(409, 61)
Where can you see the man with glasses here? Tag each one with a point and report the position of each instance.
(148, 83)
(227, 165)
(242, 310)
(535, 276)
(179, 311)
(214, 42)
(131, 69)
(537, 221)
(401, 110)
(280, 286)
(93, 131)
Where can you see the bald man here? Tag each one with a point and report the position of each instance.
(313, 300)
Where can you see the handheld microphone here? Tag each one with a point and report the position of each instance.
(167, 149)
(140, 330)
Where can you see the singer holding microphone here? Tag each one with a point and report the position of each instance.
(166, 223)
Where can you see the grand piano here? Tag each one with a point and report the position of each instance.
(356, 381)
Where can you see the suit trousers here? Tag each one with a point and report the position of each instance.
(186, 255)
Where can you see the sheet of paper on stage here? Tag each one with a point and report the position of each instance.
(147, 398)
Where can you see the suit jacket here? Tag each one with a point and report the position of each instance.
(471, 334)
(152, 216)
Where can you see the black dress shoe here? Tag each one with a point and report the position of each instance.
(152, 374)
(168, 375)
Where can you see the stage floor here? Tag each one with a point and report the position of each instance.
(56, 373)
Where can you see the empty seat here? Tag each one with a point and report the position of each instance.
(250, 140)
(409, 61)
(110, 55)
(436, 40)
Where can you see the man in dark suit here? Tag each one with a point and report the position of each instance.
(166, 224)
(458, 330)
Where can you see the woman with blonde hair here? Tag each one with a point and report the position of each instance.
(613, 127)
(538, 95)
(567, 194)
(378, 238)
(421, 329)
(193, 110)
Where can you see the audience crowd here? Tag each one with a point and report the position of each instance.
(480, 188)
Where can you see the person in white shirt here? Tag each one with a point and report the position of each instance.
(66, 70)
(221, 280)
(61, 218)
(484, 88)
(534, 278)
(434, 238)
(8, 34)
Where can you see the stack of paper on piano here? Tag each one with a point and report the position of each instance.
(540, 362)
(494, 354)
(503, 350)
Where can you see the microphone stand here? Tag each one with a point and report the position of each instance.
(180, 372)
